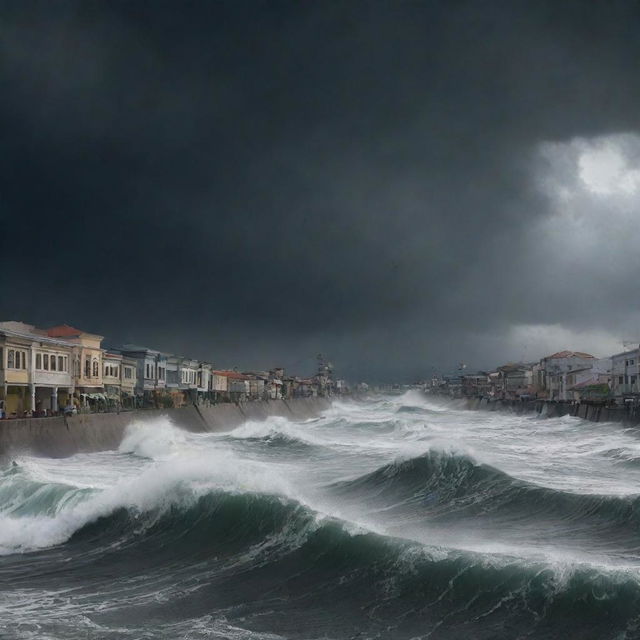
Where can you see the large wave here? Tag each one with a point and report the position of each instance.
(274, 563)
(183, 530)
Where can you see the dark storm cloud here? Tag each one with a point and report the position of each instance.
(258, 181)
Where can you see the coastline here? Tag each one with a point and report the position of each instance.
(61, 437)
(593, 412)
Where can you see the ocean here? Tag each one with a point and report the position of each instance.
(401, 517)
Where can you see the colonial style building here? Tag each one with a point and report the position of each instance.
(151, 372)
(87, 363)
(35, 370)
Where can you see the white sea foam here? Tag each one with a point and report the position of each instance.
(175, 479)
(154, 439)
(170, 466)
(277, 426)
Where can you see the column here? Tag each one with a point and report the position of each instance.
(54, 399)
(32, 389)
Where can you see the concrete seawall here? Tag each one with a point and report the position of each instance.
(628, 415)
(61, 437)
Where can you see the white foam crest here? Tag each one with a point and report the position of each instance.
(177, 480)
(154, 439)
(275, 426)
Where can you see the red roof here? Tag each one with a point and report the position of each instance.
(569, 354)
(63, 331)
(232, 374)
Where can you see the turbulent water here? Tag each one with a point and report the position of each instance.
(401, 517)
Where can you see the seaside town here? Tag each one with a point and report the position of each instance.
(62, 370)
(565, 376)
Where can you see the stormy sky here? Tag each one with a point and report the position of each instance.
(398, 185)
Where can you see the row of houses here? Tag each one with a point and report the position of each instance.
(47, 371)
(565, 375)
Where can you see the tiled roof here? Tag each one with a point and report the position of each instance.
(63, 331)
(569, 354)
(232, 374)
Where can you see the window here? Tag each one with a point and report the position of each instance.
(38, 361)
(61, 366)
(16, 359)
(147, 371)
(87, 367)
(633, 379)
(53, 363)
(128, 373)
(96, 371)
(76, 367)
(620, 379)
(46, 361)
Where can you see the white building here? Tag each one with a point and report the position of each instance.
(624, 373)
(551, 378)
(35, 370)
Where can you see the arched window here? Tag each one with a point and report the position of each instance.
(46, 361)
(96, 373)
(87, 368)
(76, 367)
(11, 362)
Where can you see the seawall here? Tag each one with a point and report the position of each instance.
(60, 437)
(628, 415)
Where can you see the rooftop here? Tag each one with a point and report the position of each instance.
(569, 354)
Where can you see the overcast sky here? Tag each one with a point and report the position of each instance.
(398, 185)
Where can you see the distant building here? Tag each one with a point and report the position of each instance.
(625, 381)
(551, 380)
(515, 380)
(219, 386)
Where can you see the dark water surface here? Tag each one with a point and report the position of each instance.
(402, 517)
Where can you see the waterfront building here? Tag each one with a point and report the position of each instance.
(219, 386)
(258, 382)
(306, 387)
(188, 372)
(128, 382)
(588, 383)
(204, 382)
(112, 378)
(514, 380)
(566, 384)
(35, 370)
(551, 382)
(274, 384)
(474, 384)
(625, 374)
(238, 385)
(151, 373)
(87, 364)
